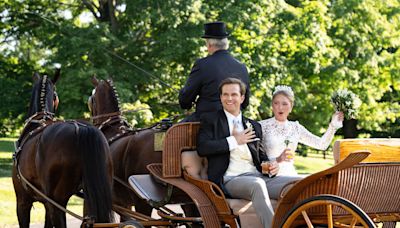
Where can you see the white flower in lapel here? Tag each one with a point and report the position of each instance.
(248, 125)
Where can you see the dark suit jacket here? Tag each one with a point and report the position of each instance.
(204, 79)
(212, 143)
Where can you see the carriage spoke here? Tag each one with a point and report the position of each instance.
(307, 219)
(329, 214)
(352, 218)
(353, 222)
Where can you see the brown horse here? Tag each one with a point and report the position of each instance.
(56, 159)
(131, 150)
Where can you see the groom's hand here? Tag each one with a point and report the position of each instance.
(243, 137)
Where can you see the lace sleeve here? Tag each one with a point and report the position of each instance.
(309, 139)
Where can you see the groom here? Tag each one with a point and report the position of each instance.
(231, 143)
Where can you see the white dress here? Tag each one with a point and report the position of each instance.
(275, 133)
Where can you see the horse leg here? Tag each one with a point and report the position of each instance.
(24, 205)
(48, 221)
(55, 217)
(143, 207)
(59, 218)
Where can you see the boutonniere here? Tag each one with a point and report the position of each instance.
(287, 142)
(248, 125)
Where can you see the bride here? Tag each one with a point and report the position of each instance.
(281, 136)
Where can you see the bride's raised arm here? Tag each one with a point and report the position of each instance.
(321, 143)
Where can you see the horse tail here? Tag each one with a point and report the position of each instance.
(93, 147)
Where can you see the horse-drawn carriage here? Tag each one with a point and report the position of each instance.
(352, 193)
(329, 197)
(366, 173)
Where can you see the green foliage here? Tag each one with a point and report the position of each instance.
(316, 47)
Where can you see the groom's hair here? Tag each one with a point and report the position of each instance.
(228, 81)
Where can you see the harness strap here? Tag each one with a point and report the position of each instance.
(106, 115)
(44, 123)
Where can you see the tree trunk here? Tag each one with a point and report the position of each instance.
(350, 129)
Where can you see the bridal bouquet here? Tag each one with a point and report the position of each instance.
(347, 102)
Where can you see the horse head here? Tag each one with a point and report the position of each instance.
(104, 99)
(44, 96)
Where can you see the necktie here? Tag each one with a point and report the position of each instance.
(237, 124)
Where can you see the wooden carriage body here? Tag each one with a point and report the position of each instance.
(360, 190)
(372, 184)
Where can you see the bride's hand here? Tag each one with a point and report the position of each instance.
(286, 155)
(337, 120)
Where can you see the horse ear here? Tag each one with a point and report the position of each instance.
(56, 75)
(35, 77)
(95, 82)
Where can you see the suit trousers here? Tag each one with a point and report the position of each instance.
(259, 189)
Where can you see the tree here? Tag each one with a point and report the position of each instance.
(148, 48)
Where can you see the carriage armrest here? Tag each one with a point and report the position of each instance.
(351, 160)
(322, 182)
(213, 192)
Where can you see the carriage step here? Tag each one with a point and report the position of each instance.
(147, 188)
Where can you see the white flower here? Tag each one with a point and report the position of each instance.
(248, 125)
(346, 101)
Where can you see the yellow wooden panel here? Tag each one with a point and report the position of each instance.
(382, 150)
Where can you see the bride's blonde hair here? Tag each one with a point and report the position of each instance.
(285, 91)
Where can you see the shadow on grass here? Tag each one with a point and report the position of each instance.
(5, 166)
(6, 152)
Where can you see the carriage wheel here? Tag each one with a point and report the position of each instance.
(356, 218)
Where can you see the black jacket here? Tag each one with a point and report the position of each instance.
(204, 79)
(212, 143)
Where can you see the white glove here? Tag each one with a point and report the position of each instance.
(337, 120)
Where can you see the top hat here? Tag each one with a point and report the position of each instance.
(216, 30)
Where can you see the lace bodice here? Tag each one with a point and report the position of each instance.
(275, 133)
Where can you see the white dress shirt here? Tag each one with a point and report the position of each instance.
(240, 156)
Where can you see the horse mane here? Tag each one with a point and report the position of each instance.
(43, 93)
(114, 93)
(42, 96)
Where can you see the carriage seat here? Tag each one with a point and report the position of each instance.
(196, 166)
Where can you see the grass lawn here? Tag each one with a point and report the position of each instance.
(312, 163)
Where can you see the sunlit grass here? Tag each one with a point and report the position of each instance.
(8, 214)
(312, 163)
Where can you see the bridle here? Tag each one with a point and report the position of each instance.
(55, 99)
(105, 119)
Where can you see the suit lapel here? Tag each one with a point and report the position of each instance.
(223, 124)
(253, 146)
